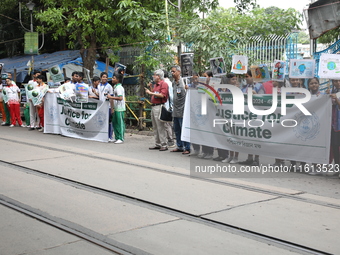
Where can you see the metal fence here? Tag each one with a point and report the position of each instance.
(264, 50)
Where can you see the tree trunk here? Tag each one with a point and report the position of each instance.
(89, 55)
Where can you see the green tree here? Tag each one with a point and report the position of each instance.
(330, 36)
(303, 37)
(218, 34)
(102, 24)
(11, 32)
(244, 6)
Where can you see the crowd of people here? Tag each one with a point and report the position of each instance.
(172, 95)
(100, 89)
(160, 91)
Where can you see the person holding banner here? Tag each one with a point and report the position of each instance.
(34, 118)
(2, 107)
(42, 87)
(13, 102)
(159, 95)
(119, 108)
(93, 91)
(179, 94)
(105, 89)
(257, 88)
(335, 130)
(233, 155)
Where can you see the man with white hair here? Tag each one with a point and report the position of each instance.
(159, 95)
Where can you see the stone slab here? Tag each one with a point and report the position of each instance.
(179, 192)
(294, 221)
(99, 213)
(185, 237)
(20, 234)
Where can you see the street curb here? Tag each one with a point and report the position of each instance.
(137, 132)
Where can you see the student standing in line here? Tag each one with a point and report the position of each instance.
(105, 89)
(335, 129)
(13, 102)
(40, 107)
(257, 88)
(93, 90)
(119, 108)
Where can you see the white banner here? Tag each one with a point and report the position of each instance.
(79, 120)
(293, 136)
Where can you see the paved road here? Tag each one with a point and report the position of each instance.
(144, 202)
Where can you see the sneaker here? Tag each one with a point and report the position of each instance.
(118, 141)
(111, 140)
(234, 161)
(31, 129)
(218, 158)
(208, 156)
(41, 129)
(5, 124)
(248, 162)
(23, 125)
(226, 160)
(11, 125)
(255, 163)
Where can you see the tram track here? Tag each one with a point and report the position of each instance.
(200, 219)
(214, 181)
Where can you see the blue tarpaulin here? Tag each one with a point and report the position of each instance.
(65, 59)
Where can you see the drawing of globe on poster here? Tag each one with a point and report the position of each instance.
(56, 74)
(329, 66)
(301, 68)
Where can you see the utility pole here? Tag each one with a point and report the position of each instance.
(179, 47)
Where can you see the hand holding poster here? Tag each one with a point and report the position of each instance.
(239, 64)
(82, 93)
(66, 92)
(217, 66)
(260, 73)
(56, 74)
(329, 66)
(301, 68)
(278, 70)
(187, 63)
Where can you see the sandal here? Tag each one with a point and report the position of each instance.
(186, 152)
(176, 150)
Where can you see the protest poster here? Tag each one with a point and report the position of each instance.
(329, 66)
(260, 73)
(217, 66)
(239, 64)
(4, 96)
(279, 67)
(82, 92)
(56, 74)
(66, 92)
(35, 94)
(301, 68)
(87, 121)
(187, 64)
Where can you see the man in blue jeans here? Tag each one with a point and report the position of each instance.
(179, 90)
